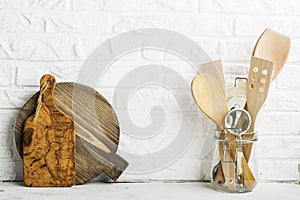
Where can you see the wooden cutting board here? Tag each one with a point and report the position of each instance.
(48, 142)
(96, 125)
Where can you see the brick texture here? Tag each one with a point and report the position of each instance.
(57, 36)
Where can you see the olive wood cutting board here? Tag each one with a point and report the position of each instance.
(48, 142)
(96, 125)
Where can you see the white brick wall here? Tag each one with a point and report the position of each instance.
(56, 36)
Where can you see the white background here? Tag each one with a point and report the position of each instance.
(56, 36)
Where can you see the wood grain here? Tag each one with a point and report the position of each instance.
(215, 68)
(49, 143)
(210, 98)
(259, 80)
(273, 46)
(97, 130)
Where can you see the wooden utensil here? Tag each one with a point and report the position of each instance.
(274, 47)
(49, 142)
(215, 68)
(210, 98)
(97, 130)
(259, 79)
(203, 97)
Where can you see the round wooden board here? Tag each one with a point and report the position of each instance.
(97, 130)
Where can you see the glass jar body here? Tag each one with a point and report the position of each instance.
(234, 166)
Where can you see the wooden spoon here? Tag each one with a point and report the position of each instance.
(274, 47)
(203, 96)
(215, 68)
(210, 98)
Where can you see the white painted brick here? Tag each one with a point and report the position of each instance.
(121, 69)
(171, 99)
(210, 25)
(240, 69)
(197, 163)
(7, 118)
(210, 46)
(282, 101)
(289, 78)
(72, 22)
(30, 73)
(11, 170)
(14, 98)
(34, 47)
(169, 172)
(6, 76)
(279, 147)
(278, 169)
(176, 49)
(88, 5)
(135, 147)
(34, 4)
(37, 47)
(235, 50)
(152, 5)
(5, 140)
(278, 123)
(20, 22)
(254, 26)
(266, 7)
(228, 50)
(294, 51)
(5, 153)
(158, 55)
(107, 93)
(137, 5)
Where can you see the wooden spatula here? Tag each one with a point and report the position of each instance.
(274, 47)
(259, 79)
(48, 142)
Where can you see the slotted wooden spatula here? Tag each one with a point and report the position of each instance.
(49, 142)
(259, 79)
(273, 46)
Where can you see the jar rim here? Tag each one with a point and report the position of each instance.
(245, 137)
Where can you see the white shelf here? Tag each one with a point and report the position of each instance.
(145, 191)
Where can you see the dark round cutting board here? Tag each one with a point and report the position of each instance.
(97, 130)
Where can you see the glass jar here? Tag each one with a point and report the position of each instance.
(234, 166)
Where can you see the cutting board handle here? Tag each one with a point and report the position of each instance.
(47, 86)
